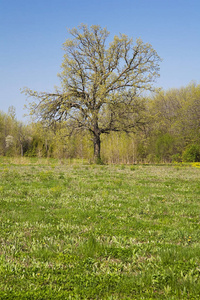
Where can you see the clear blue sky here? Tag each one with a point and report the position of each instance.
(32, 34)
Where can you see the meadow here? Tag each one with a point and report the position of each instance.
(70, 230)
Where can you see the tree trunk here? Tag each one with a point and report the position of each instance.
(22, 151)
(97, 147)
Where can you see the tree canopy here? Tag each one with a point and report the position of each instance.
(100, 84)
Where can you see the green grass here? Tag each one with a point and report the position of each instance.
(74, 231)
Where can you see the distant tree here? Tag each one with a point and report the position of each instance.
(12, 112)
(100, 84)
(174, 113)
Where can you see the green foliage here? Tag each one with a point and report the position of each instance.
(176, 157)
(174, 113)
(192, 153)
(14, 135)
(164, 147)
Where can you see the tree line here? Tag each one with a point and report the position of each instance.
(101, 104)
(171, 133)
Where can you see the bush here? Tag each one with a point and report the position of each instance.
(191, 153)
(176, 158)
(164, 147)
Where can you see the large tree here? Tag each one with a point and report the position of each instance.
(101, 84)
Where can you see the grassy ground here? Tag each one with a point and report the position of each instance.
(73, 231)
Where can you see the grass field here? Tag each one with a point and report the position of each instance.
(74, 231)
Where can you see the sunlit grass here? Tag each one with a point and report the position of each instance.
(77, 231)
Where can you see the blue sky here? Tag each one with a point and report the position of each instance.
(32, 34)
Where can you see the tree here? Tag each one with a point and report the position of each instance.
(175, 120)
(101, 84)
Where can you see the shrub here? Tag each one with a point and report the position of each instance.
(176, 157)
(192, 153)
(164, 147)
